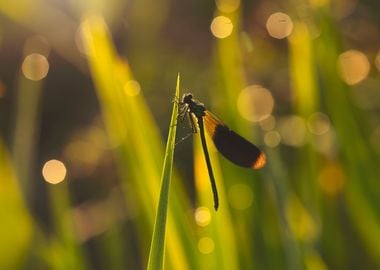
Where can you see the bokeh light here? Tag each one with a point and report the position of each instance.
(227, 6)
(318, 123)
(221, 27)
(279, 25)
(292, 130)
(255, 103)
(353, 66)
(83, 156)
(206, 245)
(35, 67)
(268, 123)
(54, 171)
(93, 84)
(240, 196)
(202, 216)
(325, 143)
(331, 179)
(132, 88)
(272, 138)
(89, 217)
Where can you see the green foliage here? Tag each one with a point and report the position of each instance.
(307, 209)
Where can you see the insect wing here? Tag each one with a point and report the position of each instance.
(232, 146)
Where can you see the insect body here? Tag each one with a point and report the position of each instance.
(230, 144)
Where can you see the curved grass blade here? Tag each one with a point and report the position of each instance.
(157, 248)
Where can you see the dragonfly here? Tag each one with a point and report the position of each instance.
(230, 144)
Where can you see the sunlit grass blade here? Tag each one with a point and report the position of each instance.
(306, 102)
(302, 70)
(157, 247)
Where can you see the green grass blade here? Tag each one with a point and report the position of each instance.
(140, 149)
(16, 226)
(157, 248)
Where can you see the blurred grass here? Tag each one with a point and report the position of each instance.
(287, 222)
(219, 228)
(231, 65)
(360, 172)
(122, 114)
(14, 244)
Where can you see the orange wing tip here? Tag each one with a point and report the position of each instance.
(260, 161)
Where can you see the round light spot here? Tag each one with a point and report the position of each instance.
(202, 216)
(325, 143)
(240, 196)
(353, 66)
(227, 6)
(132, 88)
(82, 156)
(331, 179)
(268, 123)
(54, 171)
(279, 25)
(35, 67)
(206, 245)
(318, 123)
(292, 130)
(272, 138)
(255, 103)
(221, 27)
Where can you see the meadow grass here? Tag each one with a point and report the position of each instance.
(280, 217)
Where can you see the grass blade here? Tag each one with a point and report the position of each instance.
(141, 149)
(16, 226)
(157, 248)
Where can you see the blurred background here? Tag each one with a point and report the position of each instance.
(86, 91)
